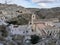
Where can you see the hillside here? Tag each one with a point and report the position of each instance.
(12, 11)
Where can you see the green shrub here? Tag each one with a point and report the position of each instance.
(35, 39)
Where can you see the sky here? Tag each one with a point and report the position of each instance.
(34, 3)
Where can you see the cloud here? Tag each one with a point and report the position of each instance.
(44, 1)
(42, 5)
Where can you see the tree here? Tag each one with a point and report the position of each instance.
(3, 31)
(34, 39)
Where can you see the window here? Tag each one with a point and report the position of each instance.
(6, 17)
(33, 16)
(30, 23)
(0, 12)
(26, 31)
(23, 32)
(32, 30)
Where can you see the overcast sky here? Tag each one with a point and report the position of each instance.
(35, 3)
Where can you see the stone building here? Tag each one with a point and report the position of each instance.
(20, 30)
(44, 26)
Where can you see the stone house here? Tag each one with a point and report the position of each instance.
(20, 30)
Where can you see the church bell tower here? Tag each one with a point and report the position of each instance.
(33, 18)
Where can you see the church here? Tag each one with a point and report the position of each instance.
(44, 27)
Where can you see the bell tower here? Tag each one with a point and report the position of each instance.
(33, 18)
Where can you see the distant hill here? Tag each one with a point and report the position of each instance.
(46, 13)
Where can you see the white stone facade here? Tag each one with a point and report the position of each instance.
(20, 30)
